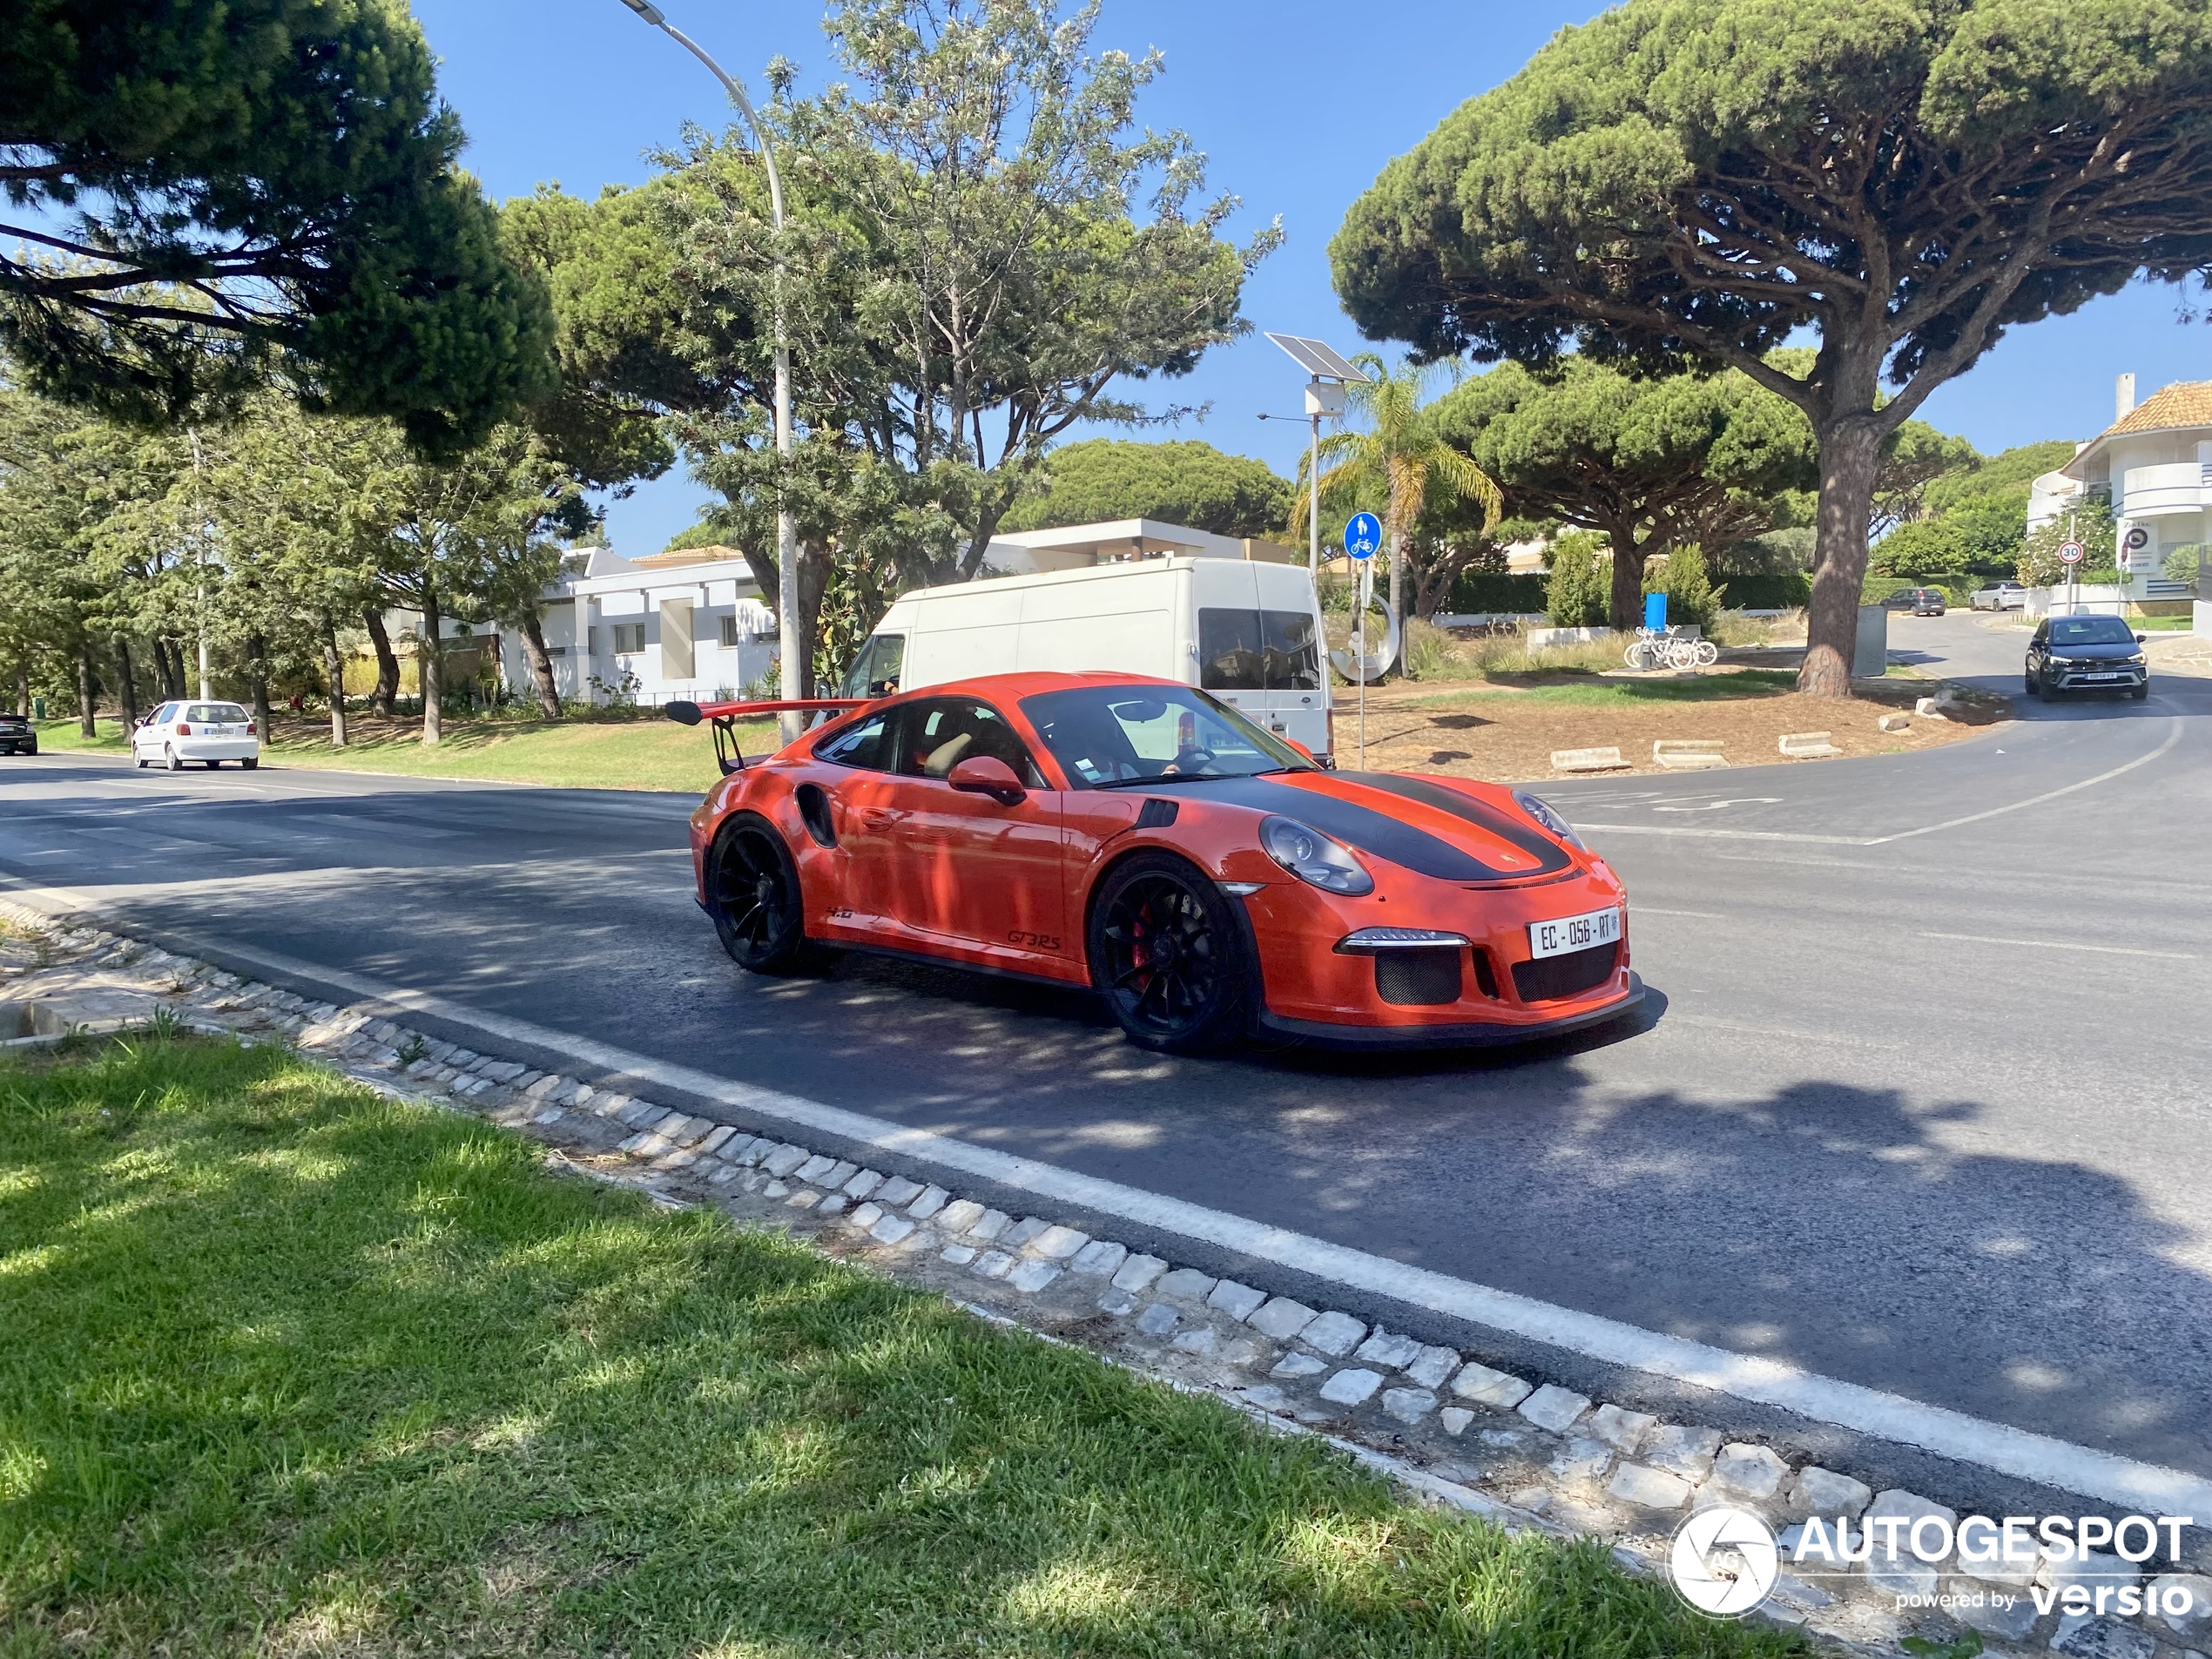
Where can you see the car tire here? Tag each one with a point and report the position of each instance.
(174, 761)
(2035, 686)
(250, 765)
(141, 761)
(2141, 692)
(753, 894)
(1194, 996)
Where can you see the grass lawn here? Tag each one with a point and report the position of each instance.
(644, 753)
(292, 1367)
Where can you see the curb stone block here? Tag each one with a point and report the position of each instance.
(1554, 1408)
(891, 1230)
(1204, 1342)
(1299, 1365)
(1120, 1303)
(1434, 1366)
(957, 1255)
(1353, 1386)
(1100, 1258)
(833, 1206)
(863, 1185)
(932, 1200)
(839, 1174)
(815, 1168)
(1281, 1318)
(1685, 1451)
(1334, 1334)
(1032, 1276)
(1455, 1419)
(959, 1216)
(2197, 1622)
(1621, 1429)
(1408, 1405)
(1267, 1397)
(1023, 1231)
(1138, 1273)
(1824, 1492)
(1157, 1319)
(2095, 1637)
(784, 1160)
(987, 1230)
(1584, 1460)
(1388, 1349)
(867, 1216)
(1487, 1387)
(1747, 1471)
(1187, 1283)
(897, 1192)
(1239, 1301)
(1057, 1244)
(2088, 1571)
(1649, 1488)
(994, 1264)
(2007, 1616)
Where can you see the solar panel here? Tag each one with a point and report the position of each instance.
(1318, 357)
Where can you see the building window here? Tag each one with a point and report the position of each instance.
(729, 632)
(630, 637)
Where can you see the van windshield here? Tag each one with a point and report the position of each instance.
(1258, 650)
(1108, 736)
(876, 671)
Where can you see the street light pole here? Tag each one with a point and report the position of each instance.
(200, 568)
(791, 674)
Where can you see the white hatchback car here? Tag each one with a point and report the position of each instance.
(208, 733)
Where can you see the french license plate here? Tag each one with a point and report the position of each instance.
(1573, 932)
(2099, 676)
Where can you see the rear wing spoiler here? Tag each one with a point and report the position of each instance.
(725, 717)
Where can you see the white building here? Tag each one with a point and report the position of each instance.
(2153, 465)
(688, 623)
(691, 623)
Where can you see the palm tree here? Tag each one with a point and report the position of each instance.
(1400, 458)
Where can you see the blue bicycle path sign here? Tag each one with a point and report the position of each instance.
(1363, 536)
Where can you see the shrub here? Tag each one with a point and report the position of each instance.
(1577, 593)
(1692, 600)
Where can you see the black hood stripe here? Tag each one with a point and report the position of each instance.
(1362, 828)
(1506, 828)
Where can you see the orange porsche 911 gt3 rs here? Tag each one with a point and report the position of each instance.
(1141, 839)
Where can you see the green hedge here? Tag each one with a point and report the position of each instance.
(1770, 591)
(1477, 592)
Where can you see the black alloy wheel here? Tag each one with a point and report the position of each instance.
(1168, 956)
(753, 892)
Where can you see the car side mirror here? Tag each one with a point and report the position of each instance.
(987, 775)
(2142, 639)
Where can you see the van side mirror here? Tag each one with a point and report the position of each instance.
(987, 775)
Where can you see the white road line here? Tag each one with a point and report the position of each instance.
(2060, 944)
(2173, 738)
(1635, 910)
(2016, 1451)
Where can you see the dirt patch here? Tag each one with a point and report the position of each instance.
(1508, 734)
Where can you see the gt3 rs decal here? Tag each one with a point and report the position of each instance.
(1032, 941)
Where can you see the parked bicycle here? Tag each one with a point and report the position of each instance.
(1657, 648)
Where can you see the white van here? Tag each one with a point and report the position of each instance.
(1249, 632)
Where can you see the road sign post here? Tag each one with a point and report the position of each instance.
(1362, 536)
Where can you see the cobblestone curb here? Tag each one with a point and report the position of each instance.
(1448, 1429)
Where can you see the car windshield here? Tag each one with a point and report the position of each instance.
(1107, 736)
(2091, 630)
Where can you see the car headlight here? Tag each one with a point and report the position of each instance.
(1314, 858)
(1541, 811)
(2137, 660)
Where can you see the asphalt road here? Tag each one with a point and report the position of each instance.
(1918, 1100)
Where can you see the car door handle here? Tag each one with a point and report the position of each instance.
(877, 818)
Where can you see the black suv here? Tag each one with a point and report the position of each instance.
(16, 736)
(2087, 654)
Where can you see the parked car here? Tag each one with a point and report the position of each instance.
(2087, 654)
(1998, 596)
(208, 733)
(1248, 631)
(1921, 601)
(1144, 840)
(16, 735)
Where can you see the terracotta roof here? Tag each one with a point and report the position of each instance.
(674, 558)
(2183, 403)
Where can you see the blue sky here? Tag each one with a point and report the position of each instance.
(1298, 105)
